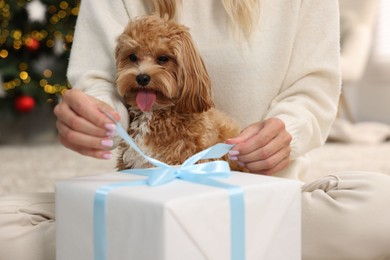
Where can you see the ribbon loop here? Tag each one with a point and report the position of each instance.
(216, 151)
(163, 175)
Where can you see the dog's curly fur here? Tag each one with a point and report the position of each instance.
(166, 87)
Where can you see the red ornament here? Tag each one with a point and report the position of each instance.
(24, 103)
(32, 44)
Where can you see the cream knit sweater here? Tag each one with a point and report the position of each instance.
(289, 69)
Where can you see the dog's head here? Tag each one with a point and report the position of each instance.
(158, 66)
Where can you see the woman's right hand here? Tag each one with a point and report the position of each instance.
(82, 125)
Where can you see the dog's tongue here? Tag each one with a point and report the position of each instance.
(145, 99)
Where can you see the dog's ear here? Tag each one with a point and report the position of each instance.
(193, 77)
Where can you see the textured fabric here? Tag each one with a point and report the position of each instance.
(289, 69)
(347, 217)
(27, 227)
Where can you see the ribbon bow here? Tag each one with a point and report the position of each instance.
(189, 171)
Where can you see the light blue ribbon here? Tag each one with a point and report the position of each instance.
(164, 173)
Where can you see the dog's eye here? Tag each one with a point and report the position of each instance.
(162, 59)
(133, 57)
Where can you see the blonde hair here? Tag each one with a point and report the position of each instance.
(243, 14)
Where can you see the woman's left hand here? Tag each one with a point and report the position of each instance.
(262, 147)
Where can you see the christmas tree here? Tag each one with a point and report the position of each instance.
(35, 41)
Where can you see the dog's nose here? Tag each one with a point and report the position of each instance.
(143, 79)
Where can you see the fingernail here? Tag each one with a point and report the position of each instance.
(234, 152)
(228, 141)
(107, 156)
(232, 158)
(110, 127)
(111, 133)
(241, 164)
(107, 142)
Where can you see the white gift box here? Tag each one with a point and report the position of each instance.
(179, 220)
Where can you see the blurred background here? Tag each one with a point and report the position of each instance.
(35, 40)
(365, 56)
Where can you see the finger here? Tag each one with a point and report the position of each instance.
(105, 109)
(279, 167)
(271, 165)
(88, 108)
(68, 117)
(243, 139)
(83, 140)
(271, 128)
(269, 162)
(99, 154)
(246, 134)
(281, 141)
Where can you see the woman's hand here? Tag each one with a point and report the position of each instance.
(262, 147)
(82, 125)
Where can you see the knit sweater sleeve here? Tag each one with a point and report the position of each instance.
(307, 102)
(92, 61)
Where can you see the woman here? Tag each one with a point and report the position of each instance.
(274, 66)
(276, 73)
